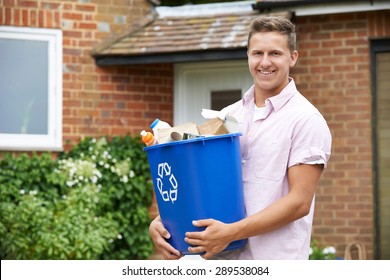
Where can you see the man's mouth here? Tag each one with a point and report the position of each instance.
(266, 73)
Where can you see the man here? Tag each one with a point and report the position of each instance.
(285, 147)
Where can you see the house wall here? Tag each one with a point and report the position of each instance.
(333, 72)
(98, 101)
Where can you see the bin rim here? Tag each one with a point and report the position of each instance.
(198, 139)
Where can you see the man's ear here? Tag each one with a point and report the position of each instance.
(294, 58)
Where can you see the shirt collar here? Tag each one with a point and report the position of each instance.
(277, 101)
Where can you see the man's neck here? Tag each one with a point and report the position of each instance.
(261, 94)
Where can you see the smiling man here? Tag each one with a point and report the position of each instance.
(285, 147)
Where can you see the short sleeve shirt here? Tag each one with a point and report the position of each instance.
(288, 131)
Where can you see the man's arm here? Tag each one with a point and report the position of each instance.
(303, 180)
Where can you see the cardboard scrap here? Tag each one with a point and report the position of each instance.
(217, 123)
(213, 127)
(164, 134)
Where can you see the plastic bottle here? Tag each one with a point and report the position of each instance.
(148, 138)
(158, 124)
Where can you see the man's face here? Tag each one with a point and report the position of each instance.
(269, 60)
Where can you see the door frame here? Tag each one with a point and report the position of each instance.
(183, 70)
(376, 46)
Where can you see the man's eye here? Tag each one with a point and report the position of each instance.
(274, 53)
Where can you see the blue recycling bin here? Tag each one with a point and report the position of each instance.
(196, 179)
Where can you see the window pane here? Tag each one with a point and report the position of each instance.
(23, 86)
(223, 98)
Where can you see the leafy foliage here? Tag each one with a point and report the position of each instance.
(89, 203)
(321, 253)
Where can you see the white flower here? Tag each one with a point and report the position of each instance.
(70, 183)
(22, 192)
(119, 236)
(329, 250)
(97, 173)
(33, 192)
(132, 174)
(72, 171)
(94, 179)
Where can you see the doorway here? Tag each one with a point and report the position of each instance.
(208, 85)
(381, 135)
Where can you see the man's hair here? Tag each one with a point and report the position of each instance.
(274, 24)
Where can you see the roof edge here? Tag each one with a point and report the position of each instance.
(264, 5)
(193, 56)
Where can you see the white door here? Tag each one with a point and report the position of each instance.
(209, 85)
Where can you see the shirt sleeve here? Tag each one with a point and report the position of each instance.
(311, 142)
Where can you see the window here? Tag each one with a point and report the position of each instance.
(30, 89)
(222, 98)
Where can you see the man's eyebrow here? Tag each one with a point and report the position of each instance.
(262, 50)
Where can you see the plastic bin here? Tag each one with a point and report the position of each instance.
(196, 179)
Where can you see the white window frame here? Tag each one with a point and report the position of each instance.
(52, 141)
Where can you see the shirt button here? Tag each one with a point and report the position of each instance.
(243, 161)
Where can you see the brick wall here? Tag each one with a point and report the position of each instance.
(98, 101)
(333, 72)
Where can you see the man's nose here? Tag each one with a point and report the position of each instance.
(265, 61)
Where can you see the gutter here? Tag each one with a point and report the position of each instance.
(321, 7)
(261, 5)
(191, 56)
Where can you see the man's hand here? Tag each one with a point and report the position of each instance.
(159, 234)
(214, 239)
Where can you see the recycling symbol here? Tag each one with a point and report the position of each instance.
(166, 182)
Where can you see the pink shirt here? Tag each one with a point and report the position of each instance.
(287, 132)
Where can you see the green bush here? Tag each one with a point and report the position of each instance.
(89, 203)
(321, 253)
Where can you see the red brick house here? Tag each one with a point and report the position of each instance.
(114, 66)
